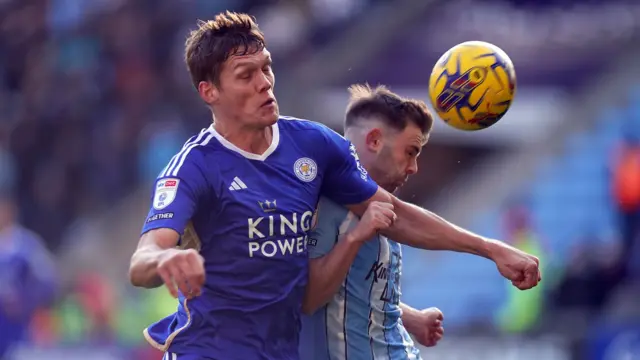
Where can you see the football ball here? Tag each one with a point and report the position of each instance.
(472, 85)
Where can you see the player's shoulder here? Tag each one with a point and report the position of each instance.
(191, 153)
(201, 140)
(289, 123)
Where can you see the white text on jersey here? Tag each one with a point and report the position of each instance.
(292, 228)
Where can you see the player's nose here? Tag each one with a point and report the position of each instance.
(265, 82)
(412, 168)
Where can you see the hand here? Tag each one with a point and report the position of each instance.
(521, 268)
(378, 216)
(429, 330)
(184, 268)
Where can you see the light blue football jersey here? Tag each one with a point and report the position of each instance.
(363, 319)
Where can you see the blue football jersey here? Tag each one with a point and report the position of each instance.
(363, 319)
(248, 215)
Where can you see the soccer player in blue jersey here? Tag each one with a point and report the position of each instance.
(226, 232)
(353, 292)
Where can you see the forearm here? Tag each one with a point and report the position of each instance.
(143, 269)
(410, 318)
(153, 246)
(327, 273)
(423, 229)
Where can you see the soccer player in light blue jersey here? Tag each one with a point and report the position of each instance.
(353, 294)
(226, 232)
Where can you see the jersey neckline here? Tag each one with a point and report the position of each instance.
(275, 140)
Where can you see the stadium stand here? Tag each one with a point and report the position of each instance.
(94, 99)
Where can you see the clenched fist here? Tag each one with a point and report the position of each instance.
(521, 268)
(429, 327)
(378, 216)
(184, 270)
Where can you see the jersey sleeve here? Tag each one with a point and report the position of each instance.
(324, 234)
(176, 194)
(345, 181)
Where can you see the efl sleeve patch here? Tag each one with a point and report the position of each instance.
(165, 193)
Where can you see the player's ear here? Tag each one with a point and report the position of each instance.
(374, 140)
(208, 92)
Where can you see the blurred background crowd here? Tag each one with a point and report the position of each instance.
(95, 98)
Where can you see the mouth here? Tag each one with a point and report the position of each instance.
(269, 102)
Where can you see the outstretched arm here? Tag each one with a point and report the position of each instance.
(423, 229)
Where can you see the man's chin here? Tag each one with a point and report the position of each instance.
(266, 120)
(271, 118)
(394, 188)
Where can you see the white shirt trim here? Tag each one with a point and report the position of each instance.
(275, 140)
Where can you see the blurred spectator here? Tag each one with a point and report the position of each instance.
(626, 191)
(27, 275)
(523, 308)
(574, 288)
(593, 271)
(284, 25)
(7, 168)
(160, 141)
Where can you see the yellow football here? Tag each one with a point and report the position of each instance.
(472, 85)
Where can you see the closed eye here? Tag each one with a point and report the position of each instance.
(413, 151)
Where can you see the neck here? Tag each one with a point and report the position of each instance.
(251, 139)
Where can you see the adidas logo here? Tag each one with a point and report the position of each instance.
(237, 184)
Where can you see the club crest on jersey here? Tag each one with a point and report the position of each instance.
(166, 190)
(305, 169)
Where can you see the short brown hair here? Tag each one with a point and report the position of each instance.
(392, 109)
(214, 41)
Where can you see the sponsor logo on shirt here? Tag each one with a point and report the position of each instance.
(166, 190)
(278, 234)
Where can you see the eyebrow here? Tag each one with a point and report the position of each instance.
(241, 63)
